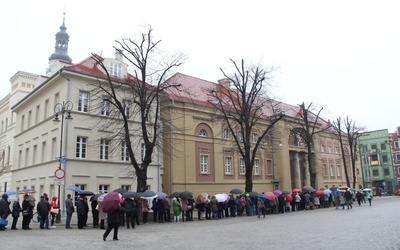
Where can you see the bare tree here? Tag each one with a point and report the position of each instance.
(145, 86)
(348, 138)
(310, 126)
(246, 111)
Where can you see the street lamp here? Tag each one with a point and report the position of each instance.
(64, 109)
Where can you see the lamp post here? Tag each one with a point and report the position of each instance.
(64, 109)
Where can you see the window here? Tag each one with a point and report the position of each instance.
(124, 151)
(242, 167)
(83, 101)
(396, 144)
(329, 149)
(26, 157)
(105, 106)
(204, 164)
(143, 151)
(226, 134)
(115, 69)
(37, 114)
(228, 165)
(386, 172)
(29, 118)
(203, 133)
(54, 147)
(46, 109)
(256, 167)
(127, 187)
(331, 170)
(375, 172)
(338, 170)
(383, 146)
(322, 148)
(385, 159)
(336, 150)
(81, 143)
(34, 155)
(254, 137)
(325, 169)
(104, 148)
(22, 123)
(127, 108)
(373, 147)
(398, 157)
(44, 151)
(269, 168)
(240, 136)
(104, 188)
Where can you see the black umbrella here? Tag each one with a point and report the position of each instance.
(186, 195)
(236, 191)
(308, 188)
(175, 194)
(130, 195)
(85, 193)
(252, 194)
(95, 197)
(120, 190)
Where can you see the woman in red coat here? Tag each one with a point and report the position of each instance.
(53, 210)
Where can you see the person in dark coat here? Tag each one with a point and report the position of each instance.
(43, 209)
(112, 223)
(4, 209)
(95, 212)
(129, 211)
(81, 212)
(161, 210)
(27, 211)
(15, 213)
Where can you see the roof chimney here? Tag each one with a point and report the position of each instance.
(225, 82)
(118, 54)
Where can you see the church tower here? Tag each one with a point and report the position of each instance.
(60, 49)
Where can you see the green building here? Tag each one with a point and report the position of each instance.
(376, 161)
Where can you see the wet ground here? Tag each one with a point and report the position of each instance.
(364, 227)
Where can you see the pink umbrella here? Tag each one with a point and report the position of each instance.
(111, 202)
(277, 192)
(319, 192)
(270, 195)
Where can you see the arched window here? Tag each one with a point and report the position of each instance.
(203, 133)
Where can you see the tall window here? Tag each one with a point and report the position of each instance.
(325, 169)
(124, 151)
(143, 151)
(383, 146)
(331, 170)
(226, 134)
(37, 114)
(204, 164)
(242, 167)
(385, 159)
(127, 187)
(240, 136)
(228, 165)
(83, 101)
(115, 69)
(54, 147)
(322, 148)
(22, 123)
(34, 154)
(29, 118)
(256, 167)
(386, 172)
(105, 106)
(81, 145)
(329, 149)
(338, 170)
(396, 144)
(254, 137)
(46, 109)
(104, 148)
(27, 157)
(269, 169)
(127, 108)
(44, 152)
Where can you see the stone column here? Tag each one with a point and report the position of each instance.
(296, 168)
(307, 179)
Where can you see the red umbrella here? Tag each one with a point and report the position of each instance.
(319, 192)
(289, 198)
(111, 202)
(296, 190)
(270, 195)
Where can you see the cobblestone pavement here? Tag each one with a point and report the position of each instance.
(364, 227)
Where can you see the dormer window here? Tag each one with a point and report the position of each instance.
(115, 69)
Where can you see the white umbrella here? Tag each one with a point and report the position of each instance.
(367, 189)
(220, 197)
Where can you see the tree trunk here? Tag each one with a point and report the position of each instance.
(141, 180)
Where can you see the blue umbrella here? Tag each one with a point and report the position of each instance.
(73, 188)
(10, 192)
(149, 194)
(161, 195)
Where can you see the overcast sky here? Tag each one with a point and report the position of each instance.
(343, 56)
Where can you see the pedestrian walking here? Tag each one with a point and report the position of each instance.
(112, 223)
(369, 197)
